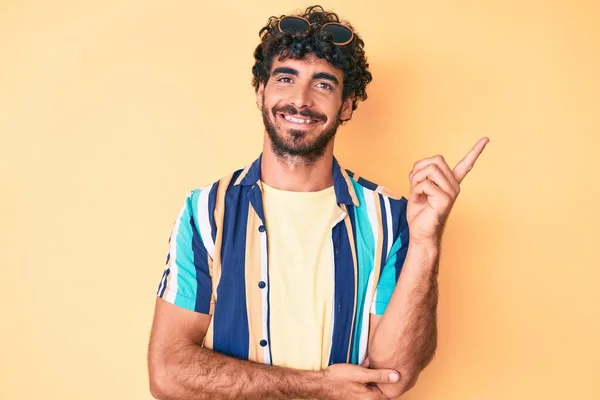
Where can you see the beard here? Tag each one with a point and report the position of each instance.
(290, 145)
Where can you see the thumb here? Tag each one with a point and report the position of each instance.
(378, 376)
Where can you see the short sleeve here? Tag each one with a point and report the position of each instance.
(186, 280)
(393, 266)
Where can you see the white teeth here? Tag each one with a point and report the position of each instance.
(297, 120)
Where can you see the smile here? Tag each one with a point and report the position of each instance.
(295, 120)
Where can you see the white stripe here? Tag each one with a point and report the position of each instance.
(390, 228)
(171, 297)
(364, 333)
(172, 292)
(204, 221)
(265, 295)
(374, 302)
(370, 200)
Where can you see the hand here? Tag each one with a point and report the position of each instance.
(348, 381)
(391, 390)
(433, 191)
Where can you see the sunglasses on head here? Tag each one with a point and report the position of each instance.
(341, 34)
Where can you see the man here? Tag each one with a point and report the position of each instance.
(293, 277)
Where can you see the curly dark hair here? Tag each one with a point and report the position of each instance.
(350, 58)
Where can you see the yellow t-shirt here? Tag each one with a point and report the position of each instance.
(301, 276)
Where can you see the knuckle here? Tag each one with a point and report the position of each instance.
(435, 169)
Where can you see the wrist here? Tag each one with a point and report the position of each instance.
(430, 249)
(314, 384)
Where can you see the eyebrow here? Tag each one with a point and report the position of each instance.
(285, 70)
(325, 75)
(318, 75)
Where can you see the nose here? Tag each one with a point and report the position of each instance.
(301, 97)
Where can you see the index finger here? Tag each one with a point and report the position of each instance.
(466, 164)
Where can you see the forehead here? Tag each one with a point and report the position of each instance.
(309, 65)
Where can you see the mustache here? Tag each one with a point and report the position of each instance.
(305, 112)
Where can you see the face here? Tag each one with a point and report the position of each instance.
(302, 107)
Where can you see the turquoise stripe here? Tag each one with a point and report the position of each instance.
(187, 285)
(365, 248)
(185, 302)
(387, 280)
(194, 196)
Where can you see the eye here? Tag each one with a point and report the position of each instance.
(284, 79)
(325, 85)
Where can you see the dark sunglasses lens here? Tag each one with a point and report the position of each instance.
(292, 25)
(340, 34)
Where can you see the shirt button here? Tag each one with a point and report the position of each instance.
(261, 228)
(261, 284)
(263, 343)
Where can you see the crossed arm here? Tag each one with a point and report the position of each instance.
(180, 368)
(402, 339)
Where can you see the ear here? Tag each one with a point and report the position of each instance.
(260, 95)
(346, 114)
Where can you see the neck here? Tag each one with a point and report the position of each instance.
(293, 174)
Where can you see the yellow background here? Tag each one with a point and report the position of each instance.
(111, 111)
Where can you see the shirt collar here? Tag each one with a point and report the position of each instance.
(342, 183)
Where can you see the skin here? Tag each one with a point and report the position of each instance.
(299, 157)
(405, 336)
(297, 172)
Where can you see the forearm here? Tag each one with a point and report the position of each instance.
(406, 336)
(194, 372)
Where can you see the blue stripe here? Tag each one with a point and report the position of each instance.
(344, 294)
(398, 211)
(253, 174)
(230, 317)
(212, 201)
(367, 184)
(163, 283)
(203, 279)
(403, 235)
(340, 185)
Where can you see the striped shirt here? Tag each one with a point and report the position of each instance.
(217, 262)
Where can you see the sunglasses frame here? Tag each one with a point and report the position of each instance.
(324, 25)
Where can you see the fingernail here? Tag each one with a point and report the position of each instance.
(394, 377)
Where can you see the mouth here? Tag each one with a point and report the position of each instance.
(298, 120)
